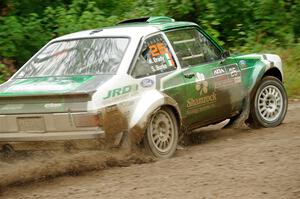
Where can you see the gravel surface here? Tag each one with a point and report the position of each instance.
(225, 163)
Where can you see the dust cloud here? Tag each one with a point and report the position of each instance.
(22, 168)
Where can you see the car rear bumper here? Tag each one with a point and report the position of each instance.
(61, 127)
(52, 136)
(46, 127)
(52, 141)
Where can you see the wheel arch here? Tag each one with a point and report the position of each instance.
(275, 72)
(144, 111)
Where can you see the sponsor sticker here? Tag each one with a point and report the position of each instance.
(201, 84)
(53, 105)
(200, 77)
(206, 98)
(219, 71)
(234, 73)
(159, 53)
(121, 91)
(12, 107)
(157, 49)
(226, 76)
(202, 101)
(146, 83)
(243, 64)
(155, 68)
(168, 59)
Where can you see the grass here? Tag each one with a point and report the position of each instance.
(291, 66)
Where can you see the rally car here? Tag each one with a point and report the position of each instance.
(150, 79)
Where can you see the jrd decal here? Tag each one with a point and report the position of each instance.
(121, 91)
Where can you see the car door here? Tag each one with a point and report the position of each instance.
(212, 82)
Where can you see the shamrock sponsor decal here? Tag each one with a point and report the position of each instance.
(201, 84)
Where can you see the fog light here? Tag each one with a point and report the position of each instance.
(87, 120)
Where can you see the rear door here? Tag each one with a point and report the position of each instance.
(212, 83)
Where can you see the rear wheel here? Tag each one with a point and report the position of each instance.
(162, 134)
(269, 105)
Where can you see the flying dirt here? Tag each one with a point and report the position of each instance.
(216, 163)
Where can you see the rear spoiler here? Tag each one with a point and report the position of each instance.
(66, 97)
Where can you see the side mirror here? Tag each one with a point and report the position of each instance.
(225, 54)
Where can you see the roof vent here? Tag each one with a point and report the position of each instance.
(155, 19)
(160, 19)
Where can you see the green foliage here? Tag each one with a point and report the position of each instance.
(21, 37)
(296, 21)
(4, 73)
(248, 25)
(75, 17)
(291, 60)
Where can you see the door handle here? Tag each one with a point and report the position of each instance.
(189, 75)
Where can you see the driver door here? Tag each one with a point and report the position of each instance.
(212, 84)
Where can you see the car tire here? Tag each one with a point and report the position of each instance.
(161, 136)
(269, 104)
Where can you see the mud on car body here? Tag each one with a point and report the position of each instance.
(148, 79)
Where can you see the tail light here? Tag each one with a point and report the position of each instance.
(87, 120)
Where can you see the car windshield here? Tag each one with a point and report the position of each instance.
(77, 57)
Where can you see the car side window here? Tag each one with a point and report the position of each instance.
(155, 57)
(192, 47)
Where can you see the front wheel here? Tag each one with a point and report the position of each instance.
(162, 134)
(269, 105)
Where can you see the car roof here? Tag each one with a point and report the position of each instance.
(131, 28)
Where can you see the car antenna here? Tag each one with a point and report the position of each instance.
(96, 31)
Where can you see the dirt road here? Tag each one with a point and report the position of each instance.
(228, 163)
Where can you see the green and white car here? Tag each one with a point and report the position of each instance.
(148, 79)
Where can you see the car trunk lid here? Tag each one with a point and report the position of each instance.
(48, 94)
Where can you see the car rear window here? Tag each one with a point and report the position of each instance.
(77, 57)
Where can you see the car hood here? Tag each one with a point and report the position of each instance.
(52, 85)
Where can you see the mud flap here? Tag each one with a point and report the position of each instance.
(114, 124)
(240, 120)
